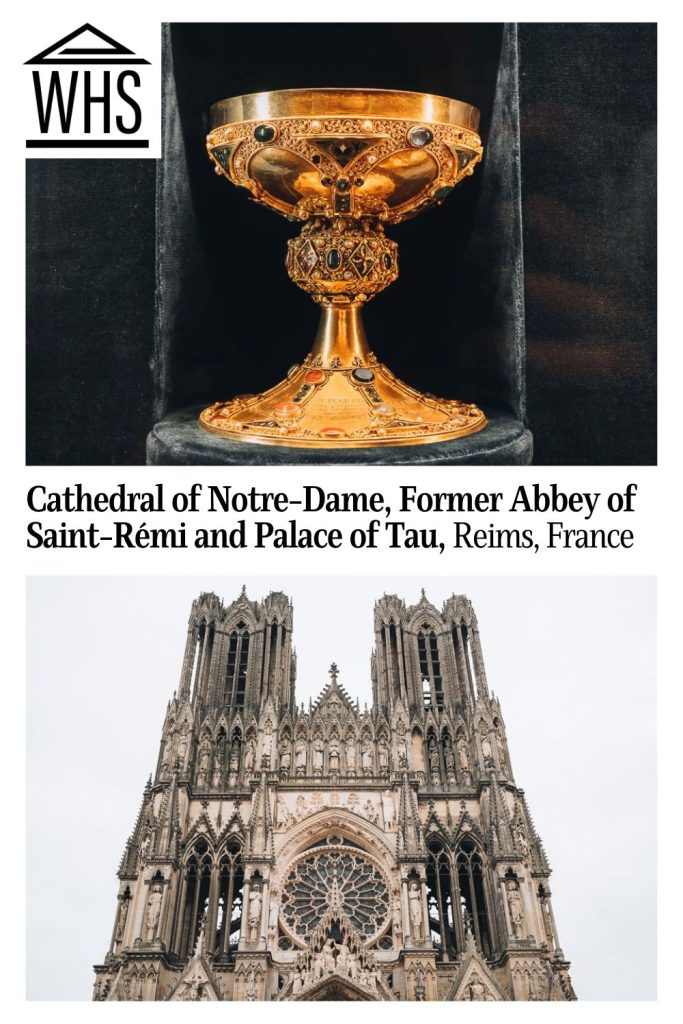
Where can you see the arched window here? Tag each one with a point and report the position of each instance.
(470, 870)
(467, 652)
(272, 659)
(197, 884)
(430, 665)
(236, 668)
(440, 902)
(197, 661)
(230, 887)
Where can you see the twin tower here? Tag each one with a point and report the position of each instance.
(333, 852)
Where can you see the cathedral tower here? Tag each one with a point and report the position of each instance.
(333, 852)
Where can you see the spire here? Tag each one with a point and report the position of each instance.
(410, 839)
(500, 831)
(128, 863)
(260, 824)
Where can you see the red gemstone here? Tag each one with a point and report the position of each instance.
(286, 409)
(314, 377)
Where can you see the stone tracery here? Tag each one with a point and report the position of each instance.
(338, 874)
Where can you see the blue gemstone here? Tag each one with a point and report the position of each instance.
(419, 137)
(334, 259)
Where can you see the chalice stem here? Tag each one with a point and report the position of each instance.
(341, 335)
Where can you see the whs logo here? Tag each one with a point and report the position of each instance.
(90, 92)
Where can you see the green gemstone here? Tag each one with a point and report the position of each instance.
(264, 133)
(334, 259)
(443, 192)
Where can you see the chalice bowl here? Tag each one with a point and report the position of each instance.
(344, 163)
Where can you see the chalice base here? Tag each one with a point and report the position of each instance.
(341, 396)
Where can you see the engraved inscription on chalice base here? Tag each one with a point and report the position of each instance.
(340, 410)
(343, 164)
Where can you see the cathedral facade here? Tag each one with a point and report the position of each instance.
(333, 852)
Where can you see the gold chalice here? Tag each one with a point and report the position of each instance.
(344, 162)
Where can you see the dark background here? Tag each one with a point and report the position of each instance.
(587, 109)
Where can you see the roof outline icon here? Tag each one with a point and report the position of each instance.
(113, 53)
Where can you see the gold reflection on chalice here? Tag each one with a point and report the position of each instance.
(344, 162)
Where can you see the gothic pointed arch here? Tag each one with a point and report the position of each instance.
(472, 882)
(443, 903)
(198, 864)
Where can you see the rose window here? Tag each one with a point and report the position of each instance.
(339, 878)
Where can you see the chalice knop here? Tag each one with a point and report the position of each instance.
(344, 162)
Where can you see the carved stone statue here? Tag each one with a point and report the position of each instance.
(123, 917)
(182, 745)
(345, 961)
(515, 907)
(267, 749)
(476, 989)
(204, 762)
(167, 752)
(370, 812)
(388, 809)
(500, 745)
(273, 915)
(334, 755)
(450, 761)
(547, 920)
(434, 767)
(218, 765)
(522, 840)
(318, 753)
(485, 744)
(328, 952)
(300, 757)
(401, 747)
(463, 753)
(282, 814)
(318, 965)
(250, 756)
(397, 918)
(351, 754)
(250, 987)
(254, 912)
(145, 845)
(301, 808)
(366, 756)
(285, 758)
(234, 766)
(383, 748)
(153, 911)
(415, 910)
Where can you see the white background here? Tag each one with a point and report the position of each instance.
(657, 521)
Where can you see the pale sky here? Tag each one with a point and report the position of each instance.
(572, 660)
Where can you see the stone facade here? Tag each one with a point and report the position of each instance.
(333, 852)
